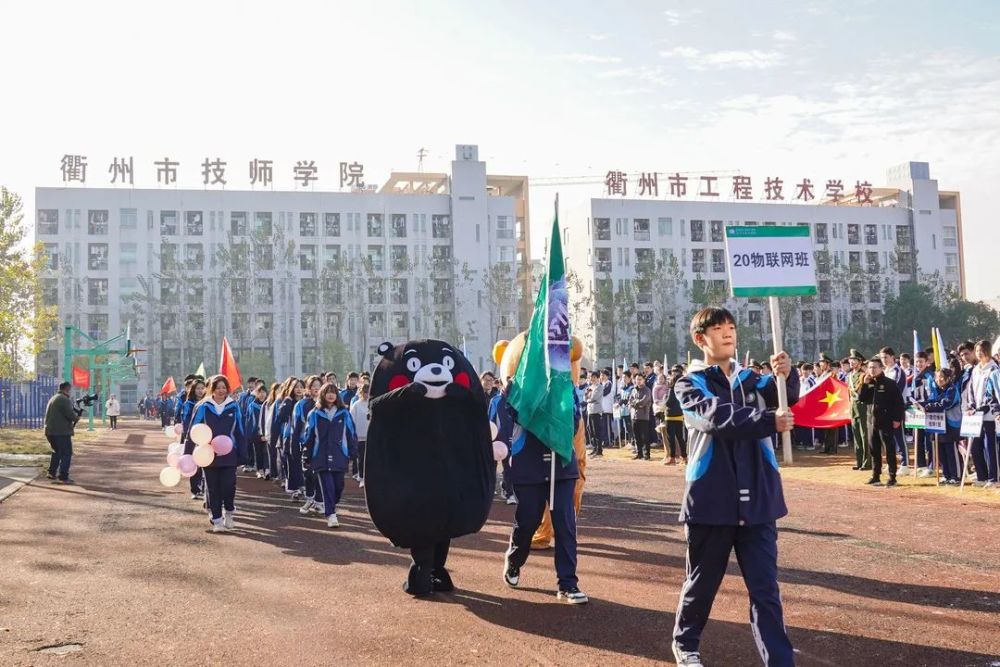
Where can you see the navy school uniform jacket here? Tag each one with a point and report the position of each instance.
(186, 410)
(732, 474)
(329, 440)
(281, 429)
(179, 407)
(948, 401)
(299, 414)
(225, 419)
(531, 460)
(251, 420)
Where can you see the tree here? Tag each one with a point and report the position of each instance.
(336, 356)
(25, 321)
(501, 297)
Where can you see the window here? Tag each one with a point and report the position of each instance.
(48, 221)
(400, 325)
(128, 218)
(643, 291)
(716, 231)
(644, 259)
(871, 261)
(697, 260)
(376, 324)
(397, 255)
(506, 253)
(871, 234)
(376, 255)
(442, 291)
(97, 326)
(168, 223)
(904, 261)
(857, 292)
(333, 292)
(193, 224)
(194, 256)
(853, 234)
(331, 224)
(505, 227)
(697, 231)
(441, 256)
(307, 291)
(97, 256)
(441, 226)
(399, 225)
(857, 318)
(375, 227)
(718, 261)
(97, 291)
(52, 256)
(263, 324)
(666, 226)
(238, 223)
(874, 292)
(951, 263)
(169, 256)
(824, 291)
(331, 323)
(195, 291)
(307, 322)
(265, 291)
(822, 261)
(238, 291)
(854, 261)
(640, 229)
(602, 228)
(825, 320)
(50, 291)
(331, 255)
(821, 233)
(949, 239)
(263, 222)
(809, 321)
(97, 222)
(263, 256)
(603, 259)
(307, 257)
(376, 291)
(903, 238)
(307, 224)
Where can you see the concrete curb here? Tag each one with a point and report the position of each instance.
(10, 485)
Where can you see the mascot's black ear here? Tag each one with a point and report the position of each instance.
(385, 348)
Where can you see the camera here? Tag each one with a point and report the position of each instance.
(85, 401)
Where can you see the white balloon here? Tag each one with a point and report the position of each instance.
(201, 434)
(203, 455)
(175, 448)
(493, 431)
(499, 451)
(170, 476)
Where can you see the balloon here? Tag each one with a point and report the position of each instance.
(493, 431)
(177, 428)
(170, 476)
(201, 434)
(168, 431)
(173, 459)
(203, 455)
(175, 448)
(222, 444)
(499, 451)
(187, 466)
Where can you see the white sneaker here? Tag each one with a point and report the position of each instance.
(903, 471)
(227, 518)
(361, 484)
(218, 526)
(925, 472)
(308, 507)
(296, 495)
(331, 521)
(512, 499)
(686, 658)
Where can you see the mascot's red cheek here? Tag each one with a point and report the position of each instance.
(398, 381)
(463, 379)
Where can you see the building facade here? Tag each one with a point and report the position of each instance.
(298, 281)
(640, 268)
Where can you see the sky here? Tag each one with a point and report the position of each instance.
(554, 89)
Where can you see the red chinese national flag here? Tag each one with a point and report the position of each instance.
(228, 366)
(169, 387)
(81, 377)
(827, 405)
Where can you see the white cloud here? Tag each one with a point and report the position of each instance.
(589, 58)
(784, 36)
(597, 37)
(673, 16)
(747, 59)
(644, 74)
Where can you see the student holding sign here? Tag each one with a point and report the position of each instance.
(944, 397)
(979, 400)
(886, 401)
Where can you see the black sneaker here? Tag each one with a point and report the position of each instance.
(49, 475)
(511, 574)
(855, 467)
(66, 480)
(572, 596)
(875, 481)
(891, 482)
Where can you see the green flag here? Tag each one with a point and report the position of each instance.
(542, 392)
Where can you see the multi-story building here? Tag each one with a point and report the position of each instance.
(639, 268)
(298, 281)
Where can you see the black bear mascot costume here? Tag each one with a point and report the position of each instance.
(429, 466)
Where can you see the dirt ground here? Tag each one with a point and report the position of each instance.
(119, 570)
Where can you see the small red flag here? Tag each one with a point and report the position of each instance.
(169, 387)
(81, 377)
(228, 366)
(827, 405)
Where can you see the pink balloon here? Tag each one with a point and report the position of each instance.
(178, 429)
(173, 459)
(222, 444)
(499, 451)
(187, 466)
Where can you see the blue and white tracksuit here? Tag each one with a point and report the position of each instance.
(329, 442)
(220, 474)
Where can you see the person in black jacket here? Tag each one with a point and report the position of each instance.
(886, 401)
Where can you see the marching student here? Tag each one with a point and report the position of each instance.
(984, 448)
(351, 390)
(328, 443)
(196, 392)
(179, 398)
(884, 396)
(222, 415)
(733, 496)
(359, 414)
(919, 387)
(270, 435)
(292, 392)
(243, 398)
(944, 396)
(676, 433)
(299, 414)
(255, 437)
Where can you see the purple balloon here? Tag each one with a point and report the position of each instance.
(222, 444)
(178, 429)
(187, 466)
(173, 459)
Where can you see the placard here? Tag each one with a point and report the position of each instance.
(770, 261)
(935, 422)
(972, 425)
(915, 418)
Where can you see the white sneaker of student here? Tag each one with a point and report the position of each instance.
(925, 472)
(218, 526)
(308, 506)
(331, 521)
(903, 471)
(361, 483)
(228, 520)
(512, 499)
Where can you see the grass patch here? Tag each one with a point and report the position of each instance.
(32, 440)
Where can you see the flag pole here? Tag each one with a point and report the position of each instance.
(786, 437)
(552, 473)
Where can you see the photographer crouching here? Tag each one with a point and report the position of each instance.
(60, 417)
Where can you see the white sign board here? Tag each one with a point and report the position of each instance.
(915, 418)
(935, 422)
(972, 425)
(770, 261)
